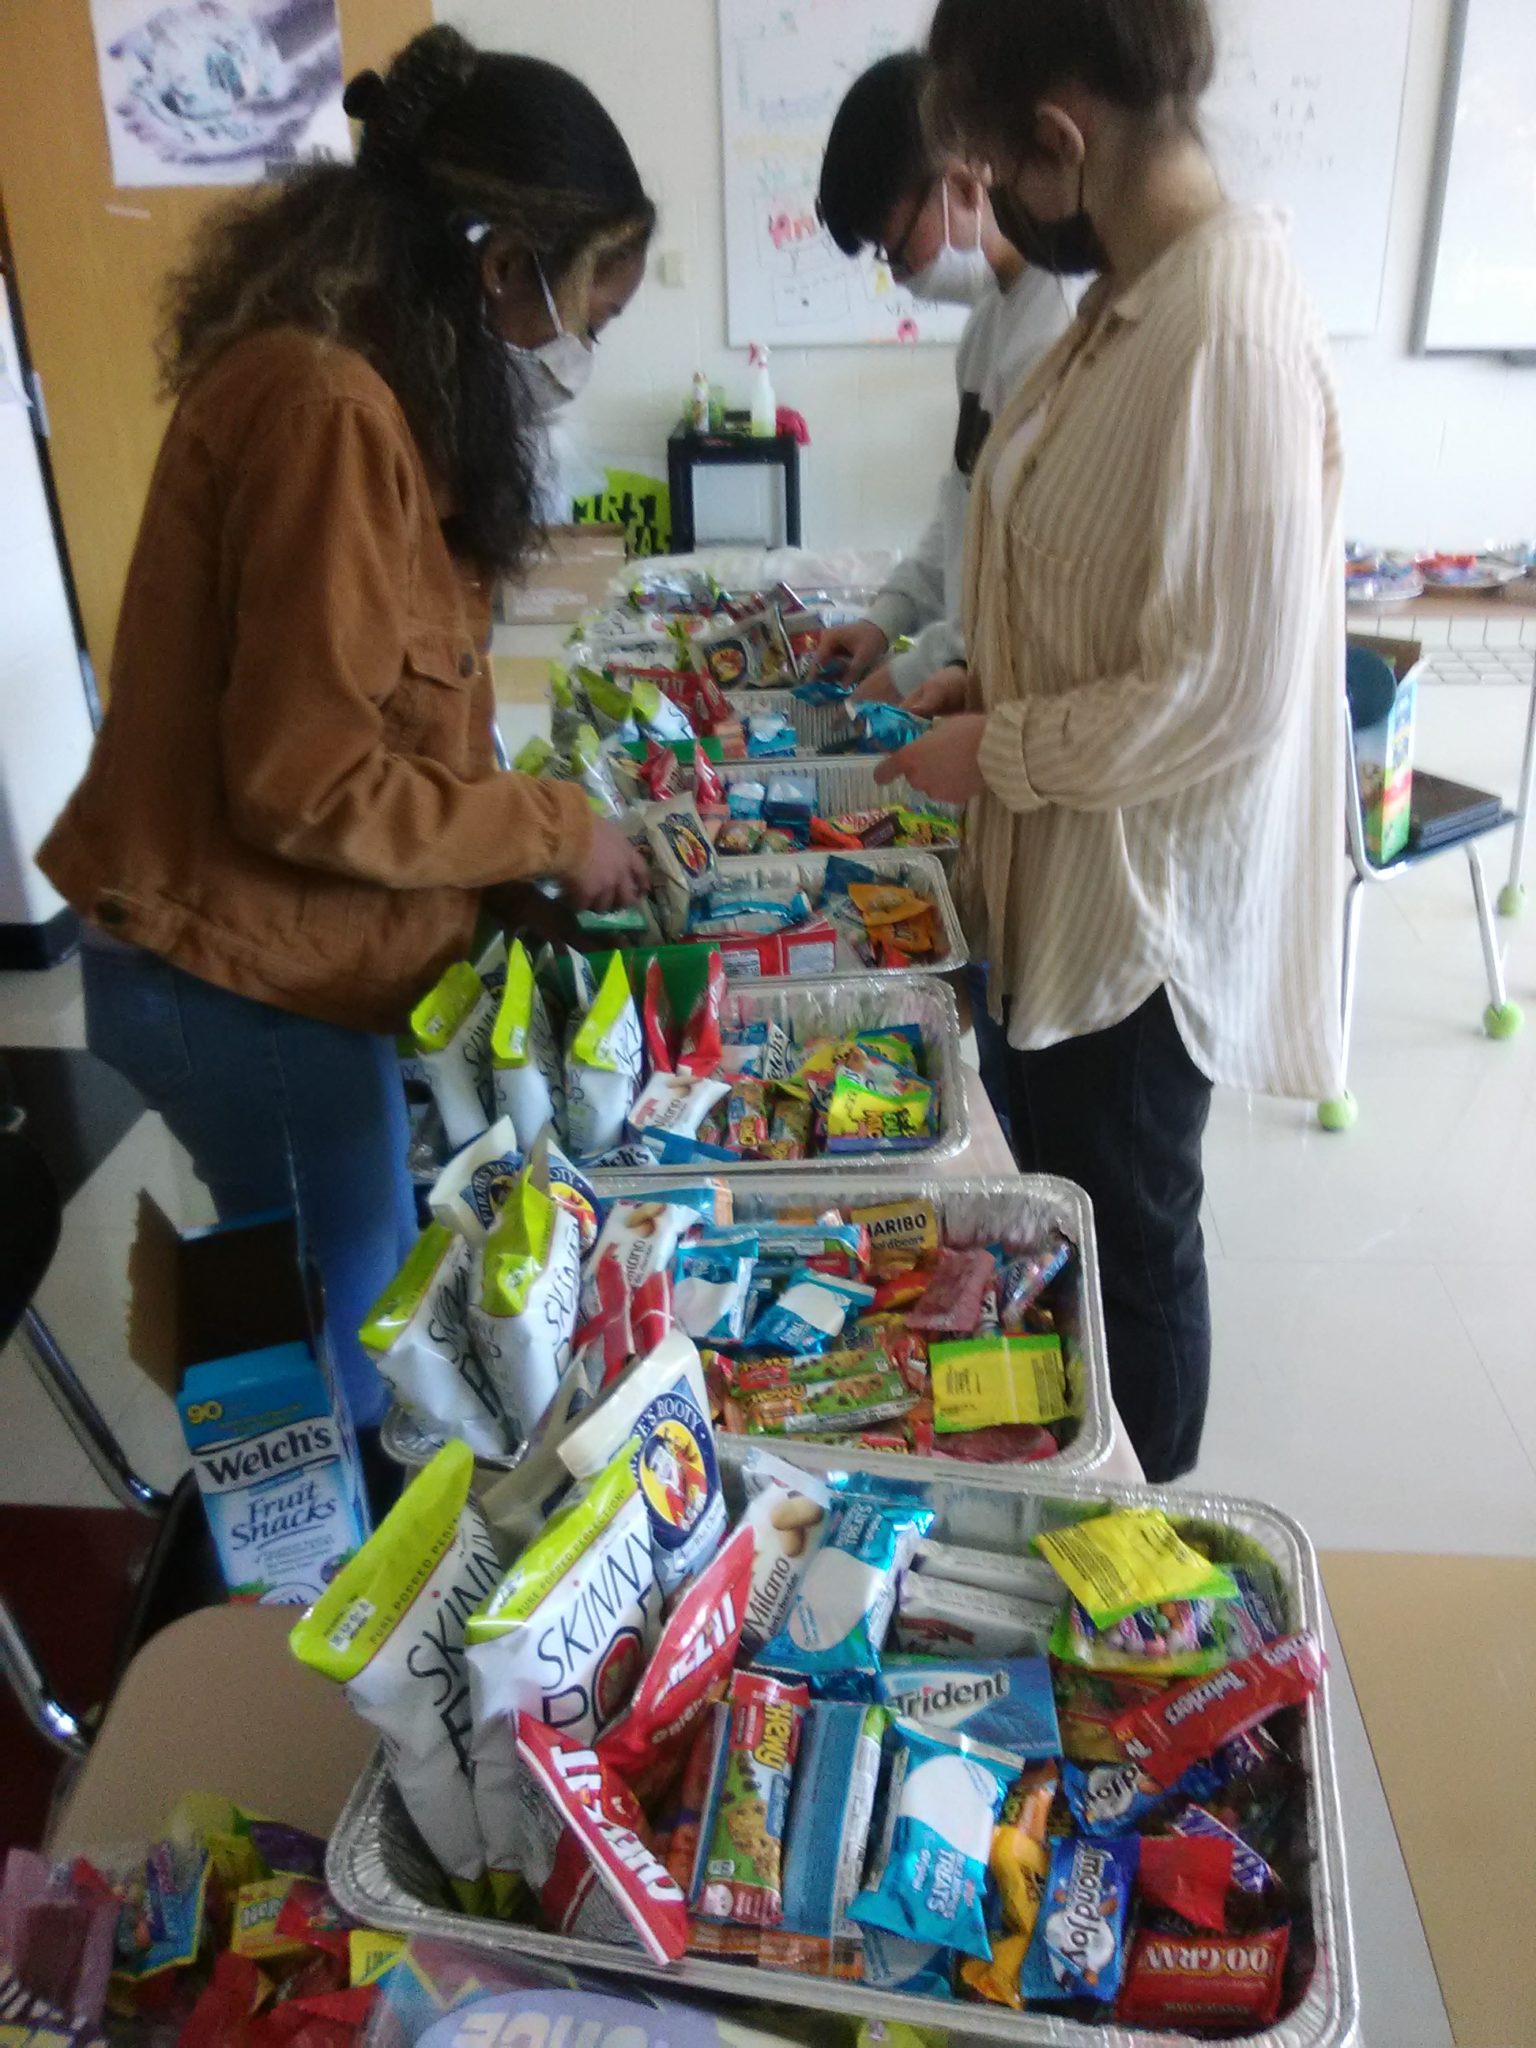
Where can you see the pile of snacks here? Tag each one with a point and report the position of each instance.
(623, 1084)
(529, 1294)
(779, 813)
(1079, 1793)
(221, 1935)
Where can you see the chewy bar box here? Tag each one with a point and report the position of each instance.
(277, 1470)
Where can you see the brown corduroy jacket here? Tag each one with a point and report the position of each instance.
(294, 793)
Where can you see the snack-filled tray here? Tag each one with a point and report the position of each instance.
(380, 1871)
(1025, 1214)
(844, 786)
(922, 873)
(840, 1007)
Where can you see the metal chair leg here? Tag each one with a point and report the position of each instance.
(1502, 1018)
(84, 1419)
(52, 1720)
(1338, 1113)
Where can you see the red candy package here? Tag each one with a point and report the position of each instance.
(604, 1839)
(1003, 1443)
(688, 1668)
(696, 1049)
(1166, 1735)
(1190, 1876)
(708, 789)
(661, 771)
(1204, 1980)
(629, 1322)
(311, 1915)
(951, 1302)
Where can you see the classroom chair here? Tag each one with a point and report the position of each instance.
(1369, 688)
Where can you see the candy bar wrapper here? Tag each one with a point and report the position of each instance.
(1019, 1862)
(600, 1826)
(945, 1795)
(1204, 1981)
(740, 1875)
(951, 1302)
(869, 1115)
(842, 1608)
(1188, 1875)
(1168, 1734)
(674, 1104)
(390, 1628)
(451, 1029)
(1134, 1557)
(788, 1512)
(1115, 1799)
(602, 1067)
(831, 1807)
(805, 1410)
(417, 1334)
(1078, 1946)
(1250, 1873)
(1025, 1277)
(1018, 1578)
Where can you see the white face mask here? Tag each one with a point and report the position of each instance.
(955, 277)
(557, 370)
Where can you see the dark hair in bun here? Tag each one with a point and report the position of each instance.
(376, 255)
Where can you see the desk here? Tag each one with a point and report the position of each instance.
(1502, 622)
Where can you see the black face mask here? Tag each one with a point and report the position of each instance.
(1066, 248)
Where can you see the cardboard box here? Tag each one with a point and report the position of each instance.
(229, 1297)
(1384, 753)
(569, 580)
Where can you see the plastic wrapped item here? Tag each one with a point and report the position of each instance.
(390, 1628)
(788, 1512)
(523, 1307)
(602, 1067)
(472, 1187)
(1115, 1563)
(842, 1608)
(417, 1333)
(527, 1084)
(740, 1874)
(1078, 1946)
(451, 1030)
(831, 1808)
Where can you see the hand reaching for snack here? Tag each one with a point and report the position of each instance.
(943, 762)
(860, 644)
(613, 875)
(945, 692)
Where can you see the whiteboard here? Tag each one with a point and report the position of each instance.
(1480, 261)
(1304, 113)
(784, 68)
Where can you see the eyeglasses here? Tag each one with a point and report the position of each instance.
(895, 257)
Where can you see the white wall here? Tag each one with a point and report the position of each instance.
(1440, 451)
(45, 730)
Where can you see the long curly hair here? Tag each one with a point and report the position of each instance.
(382, 256)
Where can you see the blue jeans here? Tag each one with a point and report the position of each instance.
(991, 1046)
(278, 1112)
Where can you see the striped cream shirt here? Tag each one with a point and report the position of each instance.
(1154, 612)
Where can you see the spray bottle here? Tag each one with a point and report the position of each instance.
(761, 399)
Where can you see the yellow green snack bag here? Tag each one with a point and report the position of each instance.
(451, 1029)
(526, 1082)
(390, 1629)
(602, 1067)
(563, 1637)
(525, 1293)
(980, 1382)
(418, 1334)
(1115, 1563)
(871, 1113)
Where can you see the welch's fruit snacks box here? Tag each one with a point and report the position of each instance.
(278, 1472)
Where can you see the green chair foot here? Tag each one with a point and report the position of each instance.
(1511, 899)
(1503, 1020)
(1338, 1113)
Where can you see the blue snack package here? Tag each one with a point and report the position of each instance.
(1008, 1703)
(810, 1313)
(1078, 1946)
(1250, 1873)
(945, 1795)
(668, 1148)
(745, 799)
(770, 736)
(882, 728)
(840, 871)
(837, 1622)
(789, 802)
(831, 1806)
(1108, 1800)
(923, 1968)
(712, 1290)
(1251, 1620)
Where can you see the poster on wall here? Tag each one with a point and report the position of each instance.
(218, 92)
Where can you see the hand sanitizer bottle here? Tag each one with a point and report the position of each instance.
(764, 409)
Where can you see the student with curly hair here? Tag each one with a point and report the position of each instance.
(293, 808)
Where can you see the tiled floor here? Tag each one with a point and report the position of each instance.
(1374, 1294)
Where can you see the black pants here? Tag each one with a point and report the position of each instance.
(1122, 1112)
